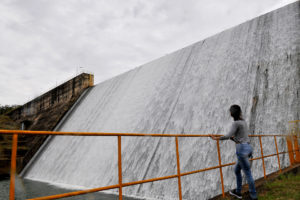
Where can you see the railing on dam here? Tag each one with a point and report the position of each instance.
(291, 141)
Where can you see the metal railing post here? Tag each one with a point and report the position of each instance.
(220, 167)
(296, 149)
(178, 169)
(277, 153)
(262, 157)
(290, 149)
(13, 167)
(120, 166)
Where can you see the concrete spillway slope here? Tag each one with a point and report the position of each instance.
(255, 64)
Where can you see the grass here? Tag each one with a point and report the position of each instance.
(285, 187)
(7, 123)
(5, 140)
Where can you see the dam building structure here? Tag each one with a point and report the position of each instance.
(255, 64)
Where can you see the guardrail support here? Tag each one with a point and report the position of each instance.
(178, 169)
(296, 149)
(262, 157)
(120, 166)
(220, 167)
(13, 167)
(290, 149)
(293, 145)
(277, 153)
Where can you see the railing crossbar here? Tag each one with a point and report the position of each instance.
(23, 132)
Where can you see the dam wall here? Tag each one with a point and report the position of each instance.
(42, 113)
(53, 98)
(255, 64)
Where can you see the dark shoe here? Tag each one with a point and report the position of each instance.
(236, 194)
(253, 199)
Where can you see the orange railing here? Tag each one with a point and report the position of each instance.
(292, 144)
(292, 141)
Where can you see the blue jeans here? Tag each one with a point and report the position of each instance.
(243, 151)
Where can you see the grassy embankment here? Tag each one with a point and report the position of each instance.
(285, 187)
(6, 123)
(5, 141)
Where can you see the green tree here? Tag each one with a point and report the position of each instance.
(6, 108)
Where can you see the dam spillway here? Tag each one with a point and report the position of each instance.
(255, 64)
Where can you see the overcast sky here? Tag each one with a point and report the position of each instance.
(46, 42)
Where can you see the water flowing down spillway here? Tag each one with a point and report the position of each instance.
(255, 65)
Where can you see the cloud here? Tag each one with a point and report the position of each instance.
(277, 5)
(44, 42)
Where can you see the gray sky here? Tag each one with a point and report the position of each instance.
(46, 42)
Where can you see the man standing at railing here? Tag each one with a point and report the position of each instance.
(239, 134)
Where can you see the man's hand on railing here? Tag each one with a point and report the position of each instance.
(215, 137)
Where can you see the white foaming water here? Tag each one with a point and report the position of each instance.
(189, 91)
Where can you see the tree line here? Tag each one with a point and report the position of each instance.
(6, 108)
